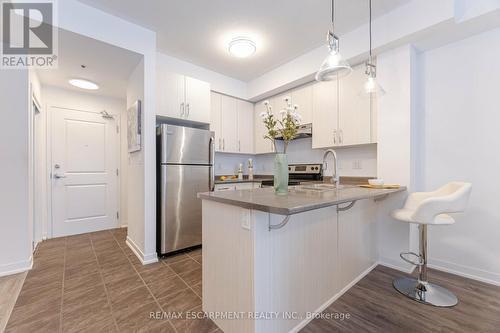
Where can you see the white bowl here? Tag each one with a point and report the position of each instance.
(376, 182)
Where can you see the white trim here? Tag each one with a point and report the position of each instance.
(303, 323)
(145, 259)
(465, 271)
(397, 265)
(16, 267)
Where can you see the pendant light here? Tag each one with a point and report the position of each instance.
(333, 66)
(371, 85)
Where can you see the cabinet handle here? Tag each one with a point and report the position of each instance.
(335, 137)
(223, 144)
(239, 146)
(187, 110)
(220, 144)
(182, 109)
(341, 136)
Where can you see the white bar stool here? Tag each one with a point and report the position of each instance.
(424, 208)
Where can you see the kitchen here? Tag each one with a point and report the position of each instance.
(205, 214)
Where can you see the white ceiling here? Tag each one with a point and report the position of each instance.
(198, 30)
(107, 65)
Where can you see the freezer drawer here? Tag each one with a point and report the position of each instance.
(180, 223)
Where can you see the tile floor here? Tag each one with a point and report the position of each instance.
(94, 283)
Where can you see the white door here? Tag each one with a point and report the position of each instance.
(84, 172)
(229, 124)
(245, 127)
(303, 97)
(325, 114)
(197, 100)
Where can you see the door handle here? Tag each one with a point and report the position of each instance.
(211, 177)
(56, 176)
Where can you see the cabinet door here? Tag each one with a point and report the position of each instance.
(357, 240)
(354, 110)
(325, 114)
(303, 97)
(261, 145)
(170, 92)
(229, 124)
(197, 100)
(216, 118)
(245, 127)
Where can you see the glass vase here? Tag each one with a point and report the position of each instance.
(280, 174)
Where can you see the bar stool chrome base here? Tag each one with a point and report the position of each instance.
(425, 292)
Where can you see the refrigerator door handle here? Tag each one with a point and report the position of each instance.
(211, 180)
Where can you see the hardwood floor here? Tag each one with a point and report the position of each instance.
(10, 286)
(375, 306)
(94, 283)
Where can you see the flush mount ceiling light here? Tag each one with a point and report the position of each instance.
(84, 84)
(242, 47)
(371, 85)
(333, 66)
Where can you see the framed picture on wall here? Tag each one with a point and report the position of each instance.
(134, 127)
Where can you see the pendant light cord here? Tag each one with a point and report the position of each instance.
(370, 29)
(333, 16)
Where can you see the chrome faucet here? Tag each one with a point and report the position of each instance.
(335, 178)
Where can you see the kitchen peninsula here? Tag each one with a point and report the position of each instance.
(276, 259)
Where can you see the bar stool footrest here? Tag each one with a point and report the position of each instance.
(412, 258)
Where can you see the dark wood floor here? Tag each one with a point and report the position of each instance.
(94, 283)
(375, 306)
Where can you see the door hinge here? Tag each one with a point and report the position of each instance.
(117, 172)
(117, 215)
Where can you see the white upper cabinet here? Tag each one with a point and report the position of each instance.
(197, 100)
(261, 145)
(325, 114)
(216, 118)
(355, 113)
(303, 97)
(229, 124)
(232, 121)
(183, 97)
(245, 127)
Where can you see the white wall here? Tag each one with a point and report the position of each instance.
(462, 142)
(16, 229)
(218, 82)
(58, 97)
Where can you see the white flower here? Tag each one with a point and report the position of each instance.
(296, 107)
(283, 112)
(264, 114)
(266, 102)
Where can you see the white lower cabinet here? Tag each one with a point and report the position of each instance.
(357, 240)
(236, 186)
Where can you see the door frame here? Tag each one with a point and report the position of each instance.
(50, 163)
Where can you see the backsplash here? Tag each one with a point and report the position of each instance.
(355, 161)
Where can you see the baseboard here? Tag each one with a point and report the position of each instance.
(17, 267)
(465, 271)
(144, 258)
(325, 305)
(399, 265)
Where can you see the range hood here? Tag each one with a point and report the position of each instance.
(303, 131)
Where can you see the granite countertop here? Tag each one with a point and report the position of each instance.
(298, 200)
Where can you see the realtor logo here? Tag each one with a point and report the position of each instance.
(29, 38)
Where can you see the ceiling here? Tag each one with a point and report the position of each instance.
(107, 65)
(198, 31)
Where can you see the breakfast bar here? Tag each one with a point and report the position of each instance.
(274, 261)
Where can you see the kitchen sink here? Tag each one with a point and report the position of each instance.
(318, 187)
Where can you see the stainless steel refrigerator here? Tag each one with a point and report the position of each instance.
(185, 167)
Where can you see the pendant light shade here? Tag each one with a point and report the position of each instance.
(334, 66)
(371, 87)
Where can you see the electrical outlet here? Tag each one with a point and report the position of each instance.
(357, 165)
